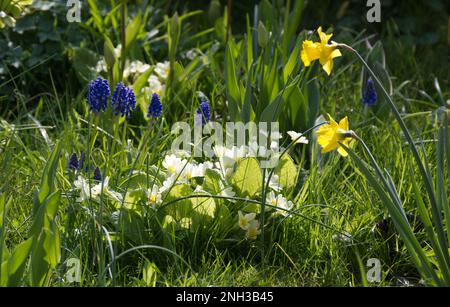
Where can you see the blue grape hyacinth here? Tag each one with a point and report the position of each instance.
(155, 107)
(123, 101)
(203, 112)
(370, 94)
(97, 174)
(98, 94)
(73, 162)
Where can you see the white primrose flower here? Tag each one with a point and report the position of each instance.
(253, 230)
(118, 50)
(96, 190)
(82, 185)
(274, 183)
(244, 220)
(154, 86)
(173, 164)
(99, 188)
(226, 191)
(296, 135)
(101, 66)
(154, 195)
(168, 183)
(191, 171)
(134, 69)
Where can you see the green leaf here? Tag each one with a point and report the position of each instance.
(247, 179)
(247, 112)
(181, 208)
(149, 274)
(84, 62)
(211, 182)
(292, 62)
(233, 91)
(133, 226)
(287, 172)
(45, 254)
(132, 31)
(173, 35)
(273, 110)
(17, 263)
(109, 54)
(141, 81)
(48, 177)
(203, 206)
(291, 23)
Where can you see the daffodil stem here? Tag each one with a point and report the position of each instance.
(423, 172)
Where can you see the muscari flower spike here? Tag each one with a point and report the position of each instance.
(98, 93)
(370, 95)
(123, 101)
(73, 162)
(155, 107)
(97, 174)
(204, 111)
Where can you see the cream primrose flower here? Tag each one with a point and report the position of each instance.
(82, 185)
(168, 183)
(280, 202)
(300, 139)
(173, 164)
(245, 220)
(97, 190)
(192, 170)
(163, 69)
(227, 158)
(226, 191)
(253, 230)
(101, 66)
(274, 183)
(154, 196)
(118, 50)
(134, 69)
(154, 86)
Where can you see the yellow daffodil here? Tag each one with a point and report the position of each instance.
(310, 52)
(329, 136)
(322, 51)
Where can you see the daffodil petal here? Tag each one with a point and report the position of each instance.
(343, 124)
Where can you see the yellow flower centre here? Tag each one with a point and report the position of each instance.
(243, 222)
(252, 232)
(152, 199)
